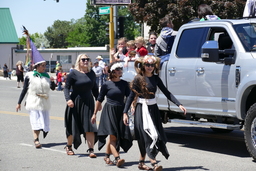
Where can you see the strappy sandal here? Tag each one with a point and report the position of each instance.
(37, 143)
(142, 166)
(118, 162)
(107, 159)
(91, 153)
(156, 167)
(69, 150)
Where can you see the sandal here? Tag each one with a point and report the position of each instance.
(69, 150)
(118, 162)
(37, 143)
(107, 159)
(156, 167)
(142, 166)
(91, 153)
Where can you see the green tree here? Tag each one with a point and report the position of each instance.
(182, 11)
(57, 33)
(132, 29)
(38, 39)
(89, 30)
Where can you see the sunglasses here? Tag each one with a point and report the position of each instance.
(149, 65)
(119, 68)
(85, 59)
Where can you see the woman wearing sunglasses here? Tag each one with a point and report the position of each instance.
(111, 121)
(80, 105)
(148, 127)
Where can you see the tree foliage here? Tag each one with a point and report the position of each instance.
(132, 29)
(57, 33)
(39, 40)
(182, 11)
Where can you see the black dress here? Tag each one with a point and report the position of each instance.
(143, 138)
(78, 118)
(111, 121)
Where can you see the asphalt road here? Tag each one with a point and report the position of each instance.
(190, 147)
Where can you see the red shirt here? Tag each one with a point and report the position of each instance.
(59, 77)
(142, 51)
(127, 54)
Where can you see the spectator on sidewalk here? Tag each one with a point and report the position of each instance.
(19, 74)
(98, 71)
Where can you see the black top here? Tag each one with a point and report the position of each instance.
(19, 72)
(152, 84)
(83, 85)
(150, 48)
(115, 92)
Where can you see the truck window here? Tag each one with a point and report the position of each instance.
(247, 35)
(190, 43)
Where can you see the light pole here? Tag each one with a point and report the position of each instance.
(50, 64)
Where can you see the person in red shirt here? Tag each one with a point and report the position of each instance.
(130, 45)
(141, 50)
(59, 79)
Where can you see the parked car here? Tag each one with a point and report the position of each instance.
(50, 68)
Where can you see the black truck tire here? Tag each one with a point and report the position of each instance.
(250, 131)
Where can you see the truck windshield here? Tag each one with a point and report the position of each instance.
(247, 35)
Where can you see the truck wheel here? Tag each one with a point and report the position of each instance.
(250, 131)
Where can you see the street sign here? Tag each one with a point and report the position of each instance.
(104, 10)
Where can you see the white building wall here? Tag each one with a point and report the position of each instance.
(92, 52)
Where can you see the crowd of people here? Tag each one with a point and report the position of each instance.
(85, 101)
(84, 98)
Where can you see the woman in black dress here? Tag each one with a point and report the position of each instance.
(148, 127)
(80, 105)
(111, 121)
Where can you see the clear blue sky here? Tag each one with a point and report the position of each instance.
(37, 15)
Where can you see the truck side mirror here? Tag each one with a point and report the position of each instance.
(210, 51)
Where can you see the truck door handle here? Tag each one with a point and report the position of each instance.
(200, 70)
(172, 70)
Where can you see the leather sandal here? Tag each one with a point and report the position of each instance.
(142, 166)
(37, 143)
(91, 153)
(118, 162)
(69, 150)
(156, 167)
(108, 161)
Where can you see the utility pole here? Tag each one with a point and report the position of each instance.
(111, 32)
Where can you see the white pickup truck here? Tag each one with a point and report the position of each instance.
(212, 71)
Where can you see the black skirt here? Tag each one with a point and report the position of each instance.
(111, 123)
(143, 137)
(78, 119)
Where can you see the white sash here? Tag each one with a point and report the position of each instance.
(148, 124)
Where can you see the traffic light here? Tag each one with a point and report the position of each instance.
(120, 27)
(107, 29)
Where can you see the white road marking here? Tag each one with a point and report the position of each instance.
(50, 149)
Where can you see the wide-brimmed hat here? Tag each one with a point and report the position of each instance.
(99, 57)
